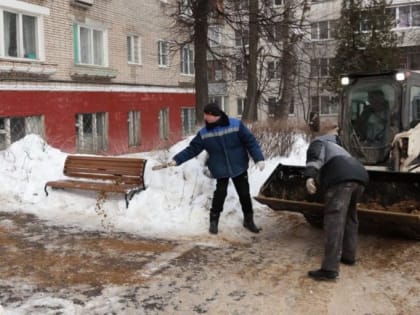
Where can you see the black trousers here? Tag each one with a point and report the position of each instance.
(341, 223)
(242, 188)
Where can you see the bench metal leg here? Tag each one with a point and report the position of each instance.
(126, 201)
(45, 189)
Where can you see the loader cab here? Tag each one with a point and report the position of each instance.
(369, 117)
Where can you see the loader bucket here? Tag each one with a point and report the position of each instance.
(390, 204)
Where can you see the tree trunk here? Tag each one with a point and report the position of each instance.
(287, 67)
(250, 110)
(200, 58)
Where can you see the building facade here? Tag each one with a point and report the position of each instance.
(311, 101)
(92, 76)
(323, 19)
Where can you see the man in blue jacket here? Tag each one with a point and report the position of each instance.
(342, 179)
(228, 142)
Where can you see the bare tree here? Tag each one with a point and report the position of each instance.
(269, 33)
(191, 27)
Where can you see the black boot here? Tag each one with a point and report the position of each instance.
(250, 225)
(214, 222)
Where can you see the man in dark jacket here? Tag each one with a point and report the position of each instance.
(228, 142)
(331, 168)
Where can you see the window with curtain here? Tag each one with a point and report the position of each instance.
(134, 128)
(164, 124)
(188, 121)
(133, 49)
(187, 60)
(20, 35)
(90, 48)
(163, 59)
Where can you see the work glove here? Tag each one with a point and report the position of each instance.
(172, 163)
(311, 186)
(260, 165)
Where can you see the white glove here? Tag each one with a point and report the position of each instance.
(311, 186)
(172, 163)
(260, 165)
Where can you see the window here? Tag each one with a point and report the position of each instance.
(188, 121)
(215, 35)
(21, 33)
(323, 30)
(242, 4)
(275, 32)
(272, 106)
(134, 128)
(273, 70)
(164, 124)
(163, 60)
(405, 16)
(240, 72)
(240, 105)
(320, 67)
(90, 45)
(241, 38)
(92, 132)
(133, 49)
(13, 129)
(187, 60)
(277, 2)
(328, 105)
(215, 70)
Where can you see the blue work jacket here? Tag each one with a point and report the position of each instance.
(228, 145)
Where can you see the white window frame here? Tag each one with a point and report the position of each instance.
(273, 70)
(96, 140)
(240, 106)
(330, 24)
(134, 53)
(215, 35)
(320, 105)
(318, 65)
(187, 60)
(410, 16)
(31, 124)
(164, 124)
(163, 53)
(22, 8)
(134, 128)
(78, 49)
(241, 38)
(188, 121)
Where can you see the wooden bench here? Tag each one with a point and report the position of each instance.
(103, 174)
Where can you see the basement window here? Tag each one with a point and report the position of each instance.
(13, 129)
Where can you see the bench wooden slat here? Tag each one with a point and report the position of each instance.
(68, 183)
(120, 175)
(112, 178)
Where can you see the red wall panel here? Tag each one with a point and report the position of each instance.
(60, 108)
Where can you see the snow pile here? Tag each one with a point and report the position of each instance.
(175, 203)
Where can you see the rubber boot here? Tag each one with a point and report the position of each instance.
(214, 222)
(250, 225)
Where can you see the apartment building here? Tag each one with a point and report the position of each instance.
(323, 18)
(311, 101)
(92, 76)
(227, 84)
